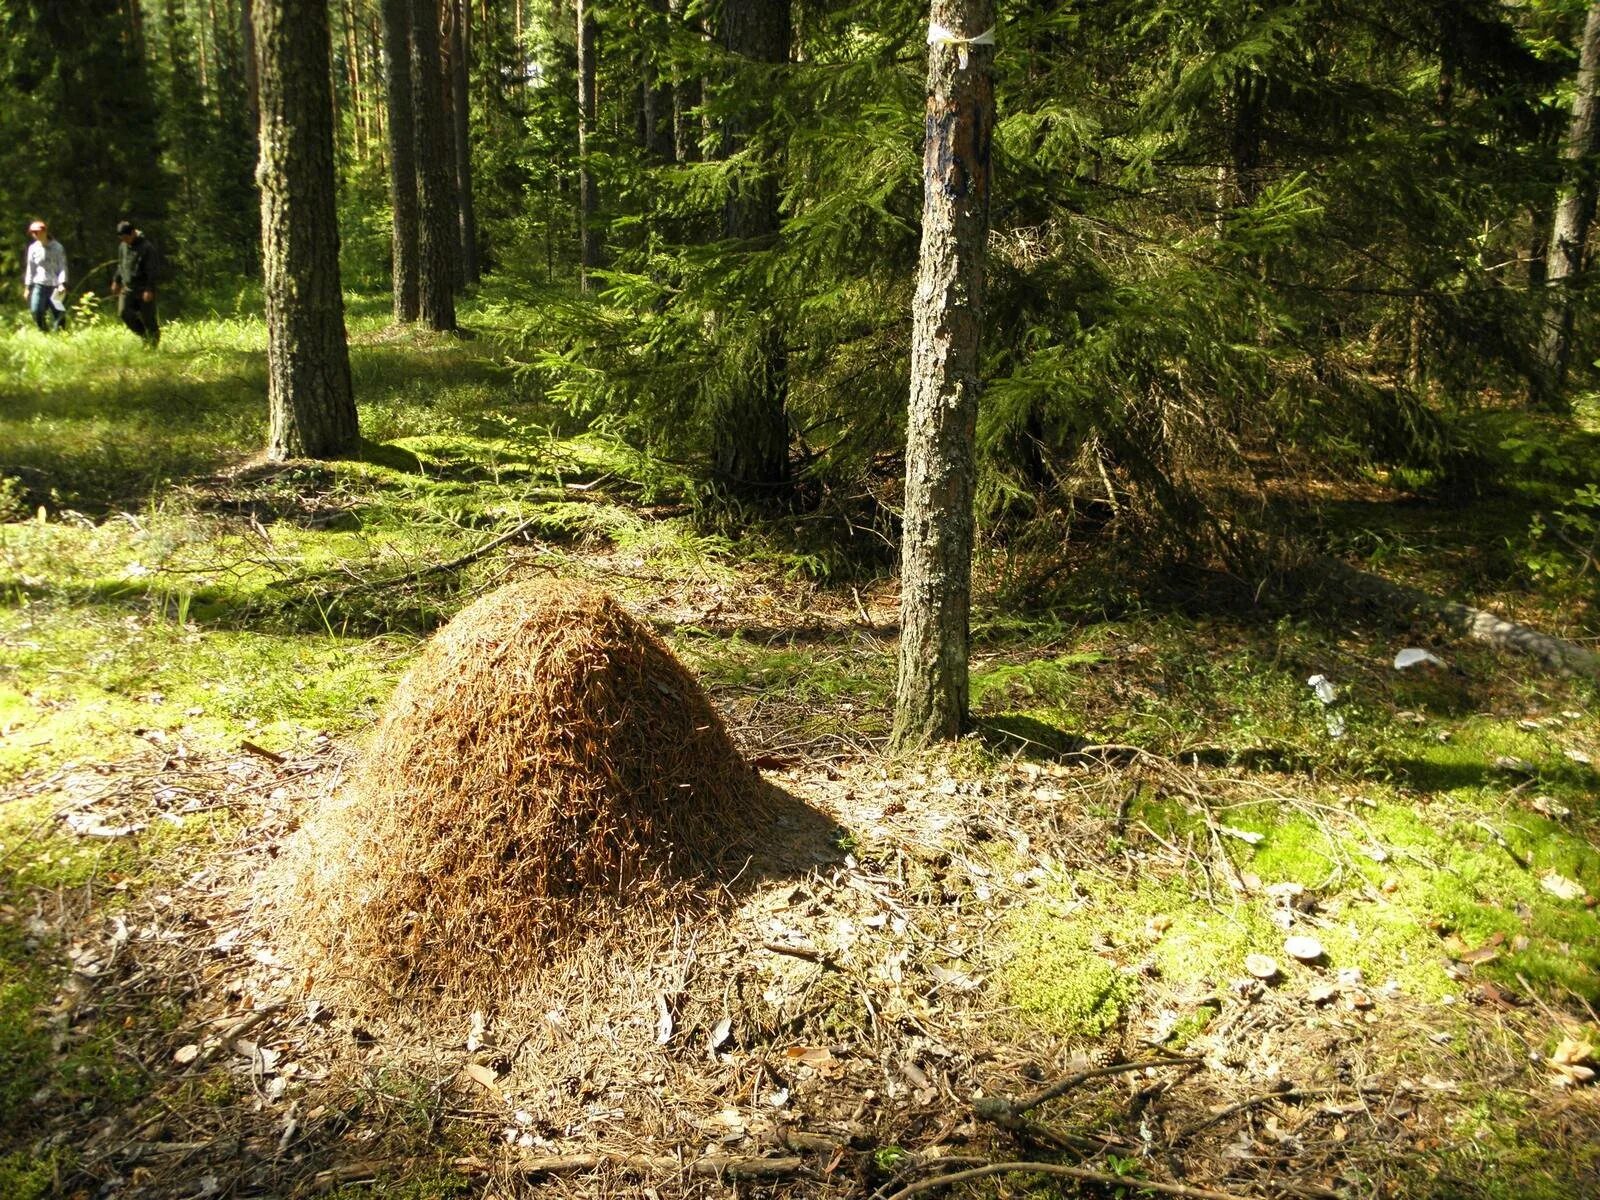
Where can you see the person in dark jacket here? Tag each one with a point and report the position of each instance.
(134, 284)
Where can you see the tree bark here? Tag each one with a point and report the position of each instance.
(310, 400)
(1574, 213)
(402, 154)
(941, 469)
(438, 239)
(461, 95)
(750, 430)
(588, 194)
(252, 79)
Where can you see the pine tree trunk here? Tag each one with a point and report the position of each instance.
(402, 154)
(438, 237)
(588, 195)
(1574, 214)
(941, 468)
(447, 89)
(310, 400)
(461, 100)
(750, 431)
(252, 78)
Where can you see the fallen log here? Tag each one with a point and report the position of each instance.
(1557, 654)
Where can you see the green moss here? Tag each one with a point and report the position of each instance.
(1498, 1150)
(1465, 762)
(1056, 976)
(25, 1177)
(81, 683)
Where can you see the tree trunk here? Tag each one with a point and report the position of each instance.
(1574, 213)
(252, 78)
(941, 468)
(438, 237)
(447, 89)
(658, 139)
(750, 431)
(310, 400)
(588, 196)
(687, 94)
(402, 154)
(461, 99)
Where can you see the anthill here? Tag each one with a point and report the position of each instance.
(546, 764)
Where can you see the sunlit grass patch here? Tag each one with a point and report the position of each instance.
(1401, 891)
(78, 686)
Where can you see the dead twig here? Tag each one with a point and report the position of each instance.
(439, 568)
(1004, 1111)
(237, 1030)
(809, 953)
(271, 756)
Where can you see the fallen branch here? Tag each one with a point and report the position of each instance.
(1043, 1168)
(237, 1030)
(439, 568)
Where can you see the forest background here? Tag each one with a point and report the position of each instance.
(1222, 233)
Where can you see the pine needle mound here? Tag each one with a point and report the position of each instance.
(546, 764)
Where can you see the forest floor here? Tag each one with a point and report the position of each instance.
(1087, 891)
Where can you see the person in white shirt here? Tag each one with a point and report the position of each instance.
(44, 277)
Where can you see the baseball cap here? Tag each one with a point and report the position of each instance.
(37, 225)
(124, 227)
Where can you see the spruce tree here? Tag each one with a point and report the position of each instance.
(751, 424)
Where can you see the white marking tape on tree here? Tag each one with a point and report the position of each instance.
(938, 35)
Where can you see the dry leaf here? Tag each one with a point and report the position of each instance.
(719, 1035)
(1550, 808)
(186, 1054)
(1561, 887)
(1244, 835)
(487, 1076)
(817, 1057)
(1572, 1053)
(957, 981)
(663, 1020)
